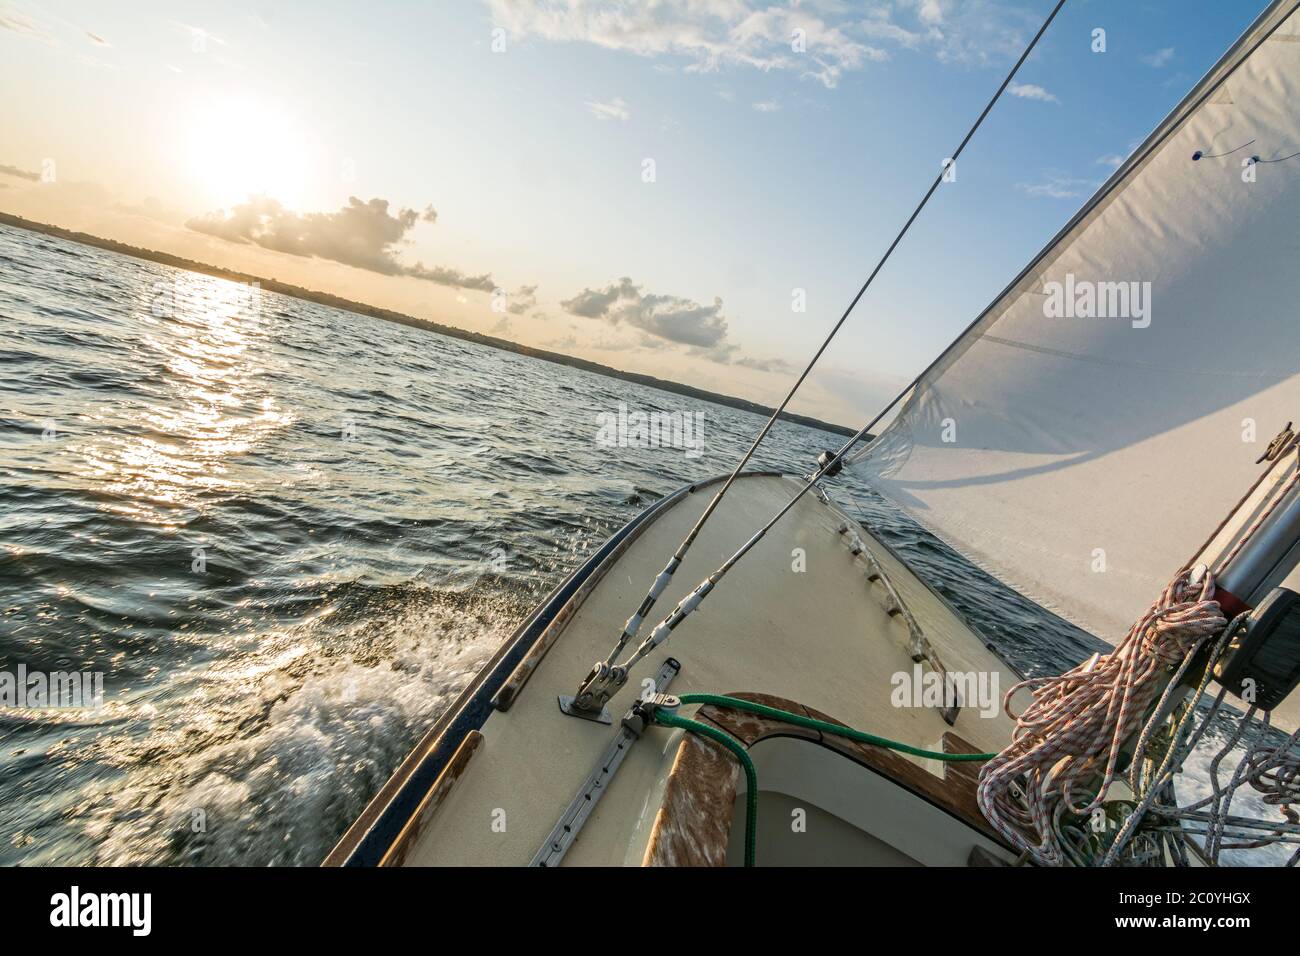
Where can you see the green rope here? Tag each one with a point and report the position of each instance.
(669, 719)
(736, 703)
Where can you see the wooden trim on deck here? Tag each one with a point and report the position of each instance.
(396, 855)
(693, 824)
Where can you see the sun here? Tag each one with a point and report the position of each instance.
(241, 147)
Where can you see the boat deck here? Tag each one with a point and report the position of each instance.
(821, 636)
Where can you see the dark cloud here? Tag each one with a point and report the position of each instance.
(361, 234)
(665, 321)
(20, 173)
(525, 298)
(729, 354)
(366, 235)
(591, 304)
(452, 277)
(666, 317)
(766, 365)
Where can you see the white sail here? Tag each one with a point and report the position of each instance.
(1095, 424)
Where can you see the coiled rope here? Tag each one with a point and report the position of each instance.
(1075, 729)
(1074, 732)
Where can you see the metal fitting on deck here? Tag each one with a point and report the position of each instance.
(600, 684)
(642, 714)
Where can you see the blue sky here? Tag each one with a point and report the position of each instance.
(775, 169)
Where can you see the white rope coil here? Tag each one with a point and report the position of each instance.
(1070, 739)
(1067, 744)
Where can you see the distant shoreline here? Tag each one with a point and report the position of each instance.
(361, 308)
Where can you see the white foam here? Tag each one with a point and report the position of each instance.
(270, 757)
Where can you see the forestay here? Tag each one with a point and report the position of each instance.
(1095, 424)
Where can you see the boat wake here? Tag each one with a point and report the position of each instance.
(265, 756)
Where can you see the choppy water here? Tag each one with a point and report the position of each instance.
(288, 535)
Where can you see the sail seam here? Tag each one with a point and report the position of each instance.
(1144, 366)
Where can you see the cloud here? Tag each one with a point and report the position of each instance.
(196, 33)
(1030, 91)
(524, 298)
(669, 318)
(969, 31)
(663, 321)
(614, 109)
(1059, 186)
(766, 365)
(767, 106)
(930, 12)
(20, 173)
(820, 40)
(25, 26)
(1113, 160)
(443, 275)
(562, 342)
(1160, 58)
(361, 234)
(878, 26)
(709, 34)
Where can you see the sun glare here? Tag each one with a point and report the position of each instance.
(240, 147)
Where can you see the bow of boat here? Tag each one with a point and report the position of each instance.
(822, 620)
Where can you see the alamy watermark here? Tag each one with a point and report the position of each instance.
(40, 690)
(637, 429)
(1085, 299)
(168, 299)
(133, 911)
(923, 687)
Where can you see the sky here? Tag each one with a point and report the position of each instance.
(692, 189)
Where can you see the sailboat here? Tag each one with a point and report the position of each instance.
(1111, 437)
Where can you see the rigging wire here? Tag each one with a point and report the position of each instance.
(1280, 159)
(688, 604)
(633, 625)
(1199, 155)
